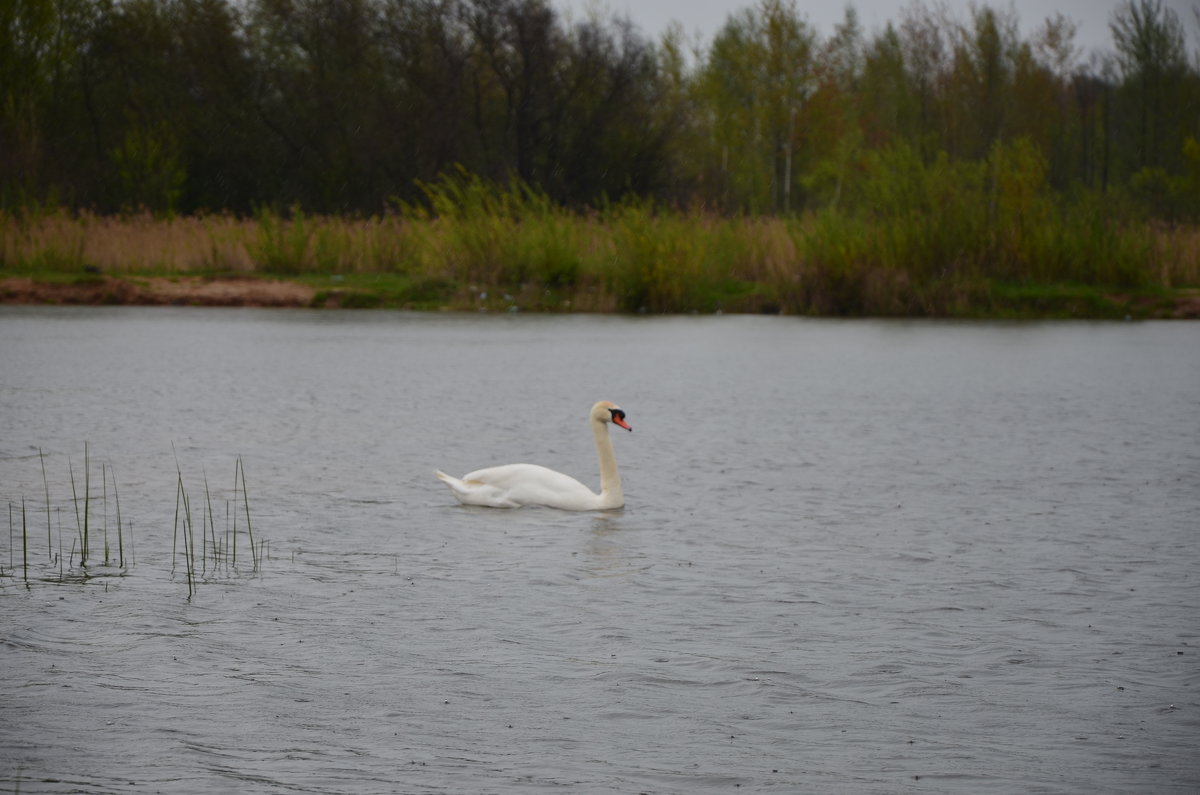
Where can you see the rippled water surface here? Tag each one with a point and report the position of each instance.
(855, 557)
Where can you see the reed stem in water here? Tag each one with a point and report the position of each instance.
(78, 524)
(185, 528)
(24, 543)
(120, 538)
(211, 529)
(46, 486)
(240, 468)
(87, 478)
(104, 487)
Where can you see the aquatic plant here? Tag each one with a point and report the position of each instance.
(212, 530)
(24, 542)
(120, 535)
(86, 565)
(81, 529)
(183, 531)
(215, 554)
(46, 486)
(241, 470)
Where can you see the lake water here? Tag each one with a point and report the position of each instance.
(856, 556)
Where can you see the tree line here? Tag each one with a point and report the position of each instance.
(351, 106)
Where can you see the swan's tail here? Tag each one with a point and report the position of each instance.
(457, 486)
(473, 492)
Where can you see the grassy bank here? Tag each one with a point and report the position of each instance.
(473, 246)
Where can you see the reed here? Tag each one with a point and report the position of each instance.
(212, 531)
(232, 534)
(24, 544)
(120, 535)
(214, 554)
(104, 497)
(239, 469)
(184, 530)
(12, 544)
(46, 486)
(86, 566)
(281, 247)
(87, 495)
(81, 524)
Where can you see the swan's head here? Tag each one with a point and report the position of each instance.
(605, 411)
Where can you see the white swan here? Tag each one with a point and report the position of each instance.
(514, 485)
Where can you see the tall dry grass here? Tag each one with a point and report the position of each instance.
(137, 243)
(1176, 255)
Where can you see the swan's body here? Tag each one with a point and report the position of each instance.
(515, 485)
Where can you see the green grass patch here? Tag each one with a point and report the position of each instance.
(382, 291)
(1061, 301)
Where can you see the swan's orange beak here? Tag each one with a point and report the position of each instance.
(618, 418)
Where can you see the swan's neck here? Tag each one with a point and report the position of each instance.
(611, 495)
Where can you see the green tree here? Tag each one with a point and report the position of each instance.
(923, 36)
(981, 83)
(679, 117)
(40, 42)
(434, 94)
(756, 80)
(227, 149)
(1153, 62)
(886, 96)
(129, 85)
(831, 125)
(149, 169)
(521, 50)
(1045, 89)
(613, 134)
(319, 98)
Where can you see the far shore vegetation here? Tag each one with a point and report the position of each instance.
(490, 154)
(947, 241)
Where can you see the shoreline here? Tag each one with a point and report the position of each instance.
(157, 291)
(255, 291)
(503, 252)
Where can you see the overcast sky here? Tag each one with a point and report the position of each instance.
(707, 16)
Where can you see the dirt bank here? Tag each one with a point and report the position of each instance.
(181, 291)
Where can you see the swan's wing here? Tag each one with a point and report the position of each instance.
(512, 485)
(517, 476)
